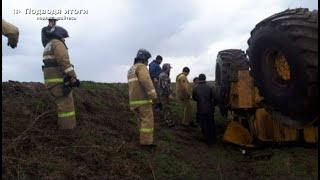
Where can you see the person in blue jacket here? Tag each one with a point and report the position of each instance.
(155, 70)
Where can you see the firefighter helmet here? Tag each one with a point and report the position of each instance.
(143, 54)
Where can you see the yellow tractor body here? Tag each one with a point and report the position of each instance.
(263, 126)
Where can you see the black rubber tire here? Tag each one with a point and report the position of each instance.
(293, 33)
(228, 63)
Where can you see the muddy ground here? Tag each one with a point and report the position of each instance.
(105, 143)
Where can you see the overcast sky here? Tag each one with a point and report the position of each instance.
(104, 42)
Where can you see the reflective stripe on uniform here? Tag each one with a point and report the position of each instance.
(54, 80)
(68, 69)
(45, 57)
(47, 48)
(146, 130)
(140, 102)
(152, 91)
(133, 79)
(66, 114)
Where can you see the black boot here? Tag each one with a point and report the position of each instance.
(148, 147)
(192, 124)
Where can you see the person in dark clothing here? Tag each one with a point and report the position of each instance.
(195, 81)
(204, 96)
(195, 84)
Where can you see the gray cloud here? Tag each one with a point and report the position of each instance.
(103, 43)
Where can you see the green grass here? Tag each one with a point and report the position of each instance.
(171, 167)
(281, 163)
(176, 109)
(89, 85)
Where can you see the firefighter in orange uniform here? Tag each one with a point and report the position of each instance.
(183, 93)
(141, 96)
(59, 74)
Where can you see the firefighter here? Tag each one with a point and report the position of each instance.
(11, 32)
(59, 74)
(183, 94)
(165, 94)
(141, 95)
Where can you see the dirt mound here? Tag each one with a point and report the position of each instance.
(105, 143)
(34, 147)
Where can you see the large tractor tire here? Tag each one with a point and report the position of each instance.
(283, 57)
(228, 63)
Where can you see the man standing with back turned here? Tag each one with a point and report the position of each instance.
(141, 95)
(203, 95)
(59, 75)
(183, 93)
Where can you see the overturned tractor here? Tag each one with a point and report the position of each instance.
(273, 94)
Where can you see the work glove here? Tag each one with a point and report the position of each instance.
(188, 96)
(12, 42)
(71, 81)
(155, 100)
(74, 82)
(68, 83)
